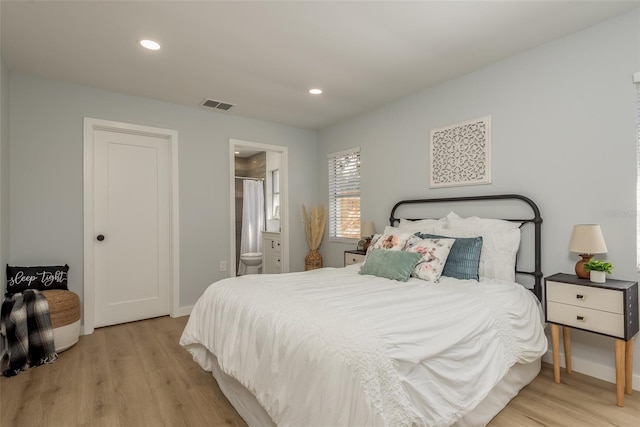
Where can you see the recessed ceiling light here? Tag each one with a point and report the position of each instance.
(315, 91)
(236, 152)
(150, 44)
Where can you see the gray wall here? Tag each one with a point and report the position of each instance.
(563, 133)
(46, 175)
(4, 171)
(4, 174)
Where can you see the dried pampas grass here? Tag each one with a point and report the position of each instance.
(314, 222)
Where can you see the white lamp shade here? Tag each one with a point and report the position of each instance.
(587, 239)
(367, 229)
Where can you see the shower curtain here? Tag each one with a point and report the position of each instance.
(252, 219)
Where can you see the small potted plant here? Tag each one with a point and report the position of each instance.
(597, 270)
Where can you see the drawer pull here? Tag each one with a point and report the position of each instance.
(581, 318)
(580, 296)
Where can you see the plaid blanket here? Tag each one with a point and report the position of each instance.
(26, 325)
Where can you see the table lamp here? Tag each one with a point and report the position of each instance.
(586, 240)
(367, 230)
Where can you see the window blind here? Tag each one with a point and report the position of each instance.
(344, 194)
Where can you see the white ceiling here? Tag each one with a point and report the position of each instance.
(264, 56)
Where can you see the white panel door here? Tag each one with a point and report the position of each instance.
(132, 230)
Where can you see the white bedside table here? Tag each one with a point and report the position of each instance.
(609, 309)
(353, 257)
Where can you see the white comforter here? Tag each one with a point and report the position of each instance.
(332, 347)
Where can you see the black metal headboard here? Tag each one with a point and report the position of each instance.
(536, 221)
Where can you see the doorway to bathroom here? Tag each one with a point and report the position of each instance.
(259, 216)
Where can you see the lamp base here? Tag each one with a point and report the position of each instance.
(580, 271)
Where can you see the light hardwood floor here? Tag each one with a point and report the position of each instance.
(136, 374)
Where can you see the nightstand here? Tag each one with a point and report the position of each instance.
(609, 309)
(353, 257)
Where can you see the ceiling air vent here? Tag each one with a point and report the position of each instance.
(218, 105)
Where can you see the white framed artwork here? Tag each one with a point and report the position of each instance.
(460, 154)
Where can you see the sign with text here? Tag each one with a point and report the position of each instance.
(42, 278)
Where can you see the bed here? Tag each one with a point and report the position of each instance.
(336, 347)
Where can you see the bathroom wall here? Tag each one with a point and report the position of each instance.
(253, 167)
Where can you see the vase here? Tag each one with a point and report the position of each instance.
(597, 276)
(313, 260)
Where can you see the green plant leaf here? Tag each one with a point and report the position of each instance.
(598, 265)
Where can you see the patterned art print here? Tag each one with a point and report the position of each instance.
(461, 154)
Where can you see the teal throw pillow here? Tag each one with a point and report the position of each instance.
(394, 265)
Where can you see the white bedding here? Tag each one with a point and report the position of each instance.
(332, 347)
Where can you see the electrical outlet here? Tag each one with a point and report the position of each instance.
(223, 265)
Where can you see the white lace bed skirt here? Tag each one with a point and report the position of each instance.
(255, 416)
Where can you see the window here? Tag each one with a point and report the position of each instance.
(344, 194)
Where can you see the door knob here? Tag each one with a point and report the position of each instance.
(100, 237)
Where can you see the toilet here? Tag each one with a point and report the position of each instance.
(253, 262)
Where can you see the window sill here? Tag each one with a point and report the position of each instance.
(343, 240)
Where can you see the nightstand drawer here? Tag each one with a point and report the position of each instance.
(610, 300)
(351, 258)
(585, 318)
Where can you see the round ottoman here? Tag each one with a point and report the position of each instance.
(64, 309)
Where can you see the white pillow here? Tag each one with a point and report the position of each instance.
(452, 215)
(477, 224)
(425, 226)
(394, 230)
(499, 250)
(434, 255)
(407, 223)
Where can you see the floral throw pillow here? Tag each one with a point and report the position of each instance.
(390, 242)
(434, 255)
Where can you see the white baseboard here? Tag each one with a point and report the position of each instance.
(184, 311)
(601, 372)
